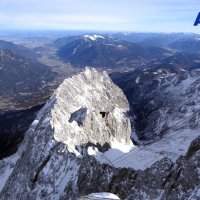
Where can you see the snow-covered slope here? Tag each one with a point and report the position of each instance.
(102, 196)
(171, 146)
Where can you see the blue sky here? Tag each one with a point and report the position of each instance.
(111, 15)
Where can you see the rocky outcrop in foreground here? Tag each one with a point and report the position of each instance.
(53, 162)
(86, 110)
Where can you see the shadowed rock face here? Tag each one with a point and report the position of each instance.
(79, 116)
(24, 84)
(160, 99)
(13, 126)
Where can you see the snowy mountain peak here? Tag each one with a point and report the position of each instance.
(93, 37)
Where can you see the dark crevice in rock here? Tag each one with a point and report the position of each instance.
(83, 149)
(104, 114)
(168, 177)
(175, 178)
(43, 164)
(39, 169)
(194, 147)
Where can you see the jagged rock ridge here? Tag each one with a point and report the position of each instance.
(45, 168)
(90, 108)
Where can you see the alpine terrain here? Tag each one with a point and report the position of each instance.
(91, 141)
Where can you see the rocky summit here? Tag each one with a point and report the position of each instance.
(87, 111)
(79, 144)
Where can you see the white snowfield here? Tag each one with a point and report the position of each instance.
(104, 195)
(172, 146)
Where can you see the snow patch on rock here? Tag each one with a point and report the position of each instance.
(104, 195)
(93, 37)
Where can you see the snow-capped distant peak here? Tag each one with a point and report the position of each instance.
(93, 37)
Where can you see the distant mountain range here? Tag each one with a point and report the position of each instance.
(176, 63)
(21, 50)
(104, 51)
(60, 42)
(191, 45)
(153, 39)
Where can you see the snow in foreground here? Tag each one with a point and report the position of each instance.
(104, 195)
(172, 146)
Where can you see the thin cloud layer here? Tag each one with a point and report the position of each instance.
(125, 15)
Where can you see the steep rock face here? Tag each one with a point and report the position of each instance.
(87, 109)
(162, 101)
(90, 108)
